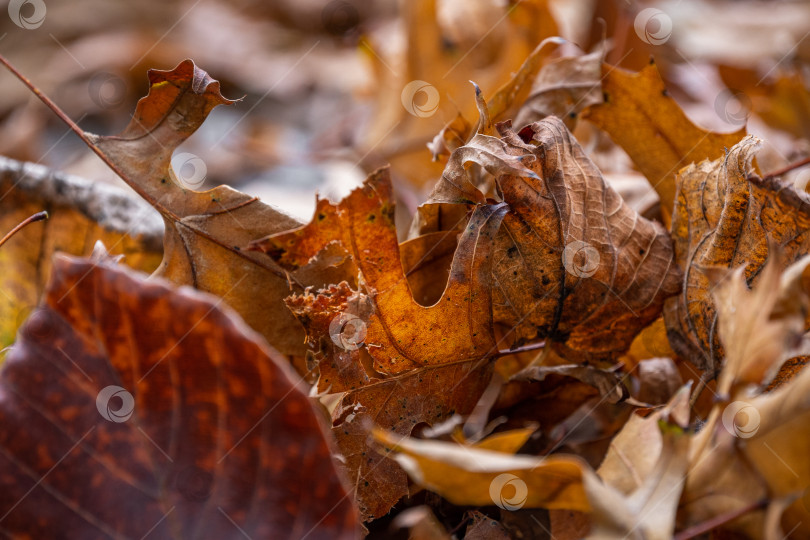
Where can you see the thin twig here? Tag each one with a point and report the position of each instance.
(39, 216)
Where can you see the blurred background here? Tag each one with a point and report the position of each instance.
(333, 89)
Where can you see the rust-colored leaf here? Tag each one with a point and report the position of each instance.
(131, 408)
(400, 330)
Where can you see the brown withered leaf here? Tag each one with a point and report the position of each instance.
(131, 408)
(427, 363)
(725, 216)
(760, 329)
(642, 118)
(205, 231)
(572, 261)
(81, 213)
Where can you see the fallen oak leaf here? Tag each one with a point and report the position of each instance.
(400, 403)
(399, 328)
(213, 437)
(642, 118)
(204, 231)
(429, 381)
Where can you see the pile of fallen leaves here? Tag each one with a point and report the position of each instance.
(535, 360)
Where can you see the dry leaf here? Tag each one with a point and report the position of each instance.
(205, 231)
(114, 429)
(752, 452)
(400, 330)
(725, 216)
(429, 381)
(648, 511)
(572, 261)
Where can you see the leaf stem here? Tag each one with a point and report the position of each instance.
(39, 216)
